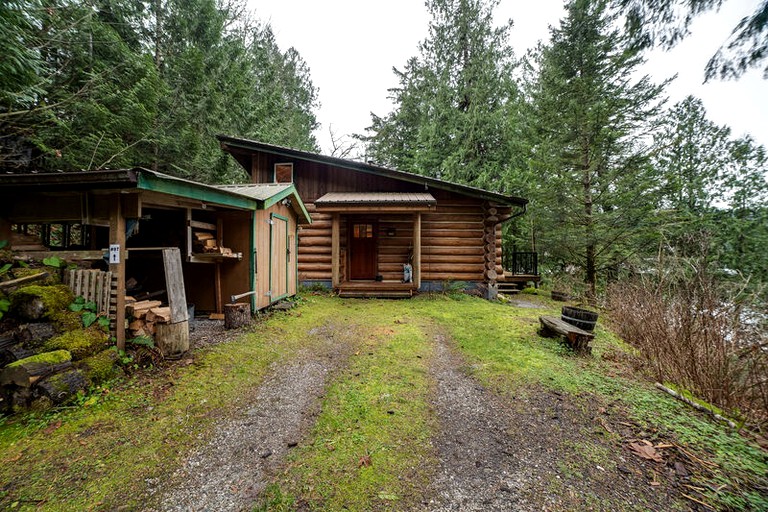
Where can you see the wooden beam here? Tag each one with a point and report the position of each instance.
(335, 252)
(65, 255)
(417, 250)
(117, 236)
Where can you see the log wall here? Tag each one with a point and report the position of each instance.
(455, 237)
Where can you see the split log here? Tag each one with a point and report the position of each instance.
(236, 315)
(34, 334)
(160, 315)
(12, 353)
(63, 386)
(26, 372)
(140, 309)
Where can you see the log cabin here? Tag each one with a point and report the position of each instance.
(382, 232)
(235, 242)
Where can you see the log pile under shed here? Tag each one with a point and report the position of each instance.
(144, 316)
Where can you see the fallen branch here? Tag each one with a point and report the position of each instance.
(696, 406)
(22, 280)
(710, 507)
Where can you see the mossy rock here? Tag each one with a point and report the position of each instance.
(81, 343)
(37, 302)
(101, 367)
(67, 320)
(52, 357)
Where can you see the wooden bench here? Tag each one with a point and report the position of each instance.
(577, 339)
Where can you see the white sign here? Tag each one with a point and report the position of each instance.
(114, 254)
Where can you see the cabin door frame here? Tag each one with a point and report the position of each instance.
(363, 247)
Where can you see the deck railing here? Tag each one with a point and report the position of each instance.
(523, 263)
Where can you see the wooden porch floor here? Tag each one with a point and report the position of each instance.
(376, 289)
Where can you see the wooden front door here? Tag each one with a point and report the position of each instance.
(362, 250)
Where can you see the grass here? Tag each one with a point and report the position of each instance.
(370, 447)
(99, 456)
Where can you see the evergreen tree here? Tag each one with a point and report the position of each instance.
(456, 101)
(121, 83)
(594, 188)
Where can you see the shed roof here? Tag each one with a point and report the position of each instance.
(233, 143)
(268, 194)
(238, 196)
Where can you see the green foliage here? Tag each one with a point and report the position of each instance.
(144, 341)
(54, 261)
(124, 83)
(664, 23)
(89, 313)
(594, 186)
(455, 105)
(3, 244)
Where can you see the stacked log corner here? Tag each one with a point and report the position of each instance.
(490, 221)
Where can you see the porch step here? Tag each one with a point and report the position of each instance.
(375, 294)
(508, 288)
(381, 290)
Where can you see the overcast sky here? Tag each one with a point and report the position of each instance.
(351, 46)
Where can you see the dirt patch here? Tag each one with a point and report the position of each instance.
(231, 470)
(541, 451)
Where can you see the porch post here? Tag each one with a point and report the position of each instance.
(335, 281)
(417, 249)
(117, 236)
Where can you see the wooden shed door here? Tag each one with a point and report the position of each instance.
(362, 250)
(278, 256)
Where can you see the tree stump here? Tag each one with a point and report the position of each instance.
(236, 315)
(172, 339)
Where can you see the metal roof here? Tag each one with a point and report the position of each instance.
(258, 191)
(397, 198)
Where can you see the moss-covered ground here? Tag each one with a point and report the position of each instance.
(369, 449)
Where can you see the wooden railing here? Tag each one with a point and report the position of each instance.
(523, 263)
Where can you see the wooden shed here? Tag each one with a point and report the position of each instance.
(235, 242)
(383, 232)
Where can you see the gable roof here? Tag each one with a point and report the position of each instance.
(268, 194)
(228, 142)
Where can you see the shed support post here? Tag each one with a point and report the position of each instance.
(417, 250)
(117, 236)
(335, 281)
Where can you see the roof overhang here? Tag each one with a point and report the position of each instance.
(237, 146)
(393, 202)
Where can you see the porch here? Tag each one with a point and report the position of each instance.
(521, 268)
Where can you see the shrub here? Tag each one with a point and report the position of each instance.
(698, 333)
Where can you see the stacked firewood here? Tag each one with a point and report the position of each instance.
(205, 242)
(144, 315)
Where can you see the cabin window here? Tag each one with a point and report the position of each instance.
(362, 231)
(284, 173)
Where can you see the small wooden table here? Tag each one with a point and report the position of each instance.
(577, 339)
